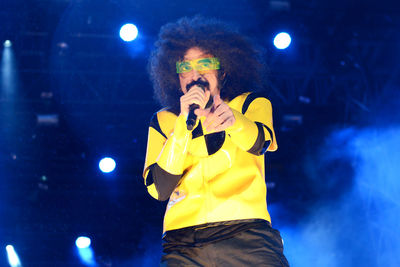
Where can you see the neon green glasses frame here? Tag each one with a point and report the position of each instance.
(200, 64)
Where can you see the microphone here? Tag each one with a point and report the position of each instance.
(192, 117)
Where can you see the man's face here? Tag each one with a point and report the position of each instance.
(210, 76)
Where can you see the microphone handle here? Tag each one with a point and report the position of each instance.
(191, 119)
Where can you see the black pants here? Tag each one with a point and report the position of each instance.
(249, 243)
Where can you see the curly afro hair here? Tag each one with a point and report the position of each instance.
(241, 64)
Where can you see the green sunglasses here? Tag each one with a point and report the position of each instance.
(201, 65)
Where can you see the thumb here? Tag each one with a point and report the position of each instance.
(217, 100)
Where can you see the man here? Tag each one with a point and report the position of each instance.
(211, 168)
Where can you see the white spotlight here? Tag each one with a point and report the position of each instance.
(83, 242)
(12, 256)
(128, 32)
(107, 165)
(7, 43)
(282, 40)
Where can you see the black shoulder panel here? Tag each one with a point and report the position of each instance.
(156, 125)
(250, 99)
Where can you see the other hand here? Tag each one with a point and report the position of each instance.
(218, 117)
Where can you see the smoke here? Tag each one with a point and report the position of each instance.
(359, 225)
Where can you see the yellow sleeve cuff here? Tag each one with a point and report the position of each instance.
(243, 132)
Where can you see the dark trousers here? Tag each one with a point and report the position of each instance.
(253, 243)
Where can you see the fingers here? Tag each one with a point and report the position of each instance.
(202, 112)
(223, 126)
(218, 117)
(196, 95)
(214, 114)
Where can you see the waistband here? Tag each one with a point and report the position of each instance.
(203, 234)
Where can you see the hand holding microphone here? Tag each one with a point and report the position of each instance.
(191, 118)
(195, 98)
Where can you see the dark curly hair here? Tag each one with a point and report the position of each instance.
(240, 61)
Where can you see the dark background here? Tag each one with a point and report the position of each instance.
(334, 91)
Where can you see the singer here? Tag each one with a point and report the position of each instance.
(206, 147)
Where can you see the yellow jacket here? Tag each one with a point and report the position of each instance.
(211, 177)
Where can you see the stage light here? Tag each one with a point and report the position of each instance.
(9, 74)
(282, 40)
(128, 32)
(87, 256)
(83, 242)
(7, 43)
(107, 165)
(47, 119)
(12, 256)
(85, 252)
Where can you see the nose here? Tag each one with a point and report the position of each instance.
(196, 75)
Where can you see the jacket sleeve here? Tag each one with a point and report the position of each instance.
(165, 157)
(253, 128)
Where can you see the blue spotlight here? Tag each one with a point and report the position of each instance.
(9, 75)
(85, 251)
(83, 242)
(7, 43)
(87, 256)
(12, 256)
(107, 165)
(282, 40)
(128, 32)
